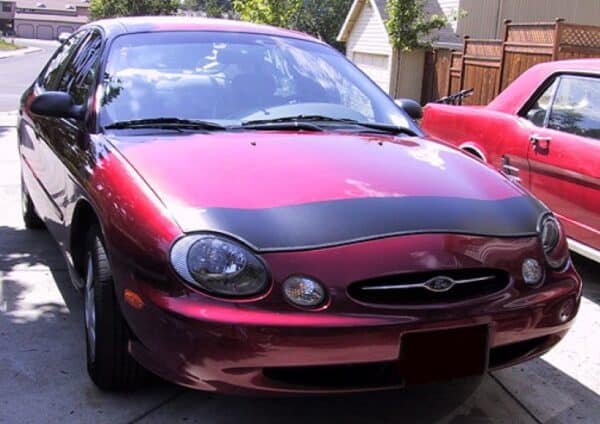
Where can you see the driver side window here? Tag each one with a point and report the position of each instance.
(50, 76)
(80, 73)
(539, 111)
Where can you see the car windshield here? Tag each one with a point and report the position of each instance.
(232, 78)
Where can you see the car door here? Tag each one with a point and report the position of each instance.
(35, 134)
(68, 140)
(564, 155)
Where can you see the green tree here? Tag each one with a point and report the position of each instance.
(281, 13)
(111, 8)
(323, 19)
(212, 8)
(409, 25)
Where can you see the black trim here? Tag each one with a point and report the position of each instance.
(325, 224)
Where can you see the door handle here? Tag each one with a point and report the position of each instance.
(536, 139)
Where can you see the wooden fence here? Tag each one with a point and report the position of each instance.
(489, 66)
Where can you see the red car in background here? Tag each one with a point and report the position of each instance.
(245, 211)
(544, 132)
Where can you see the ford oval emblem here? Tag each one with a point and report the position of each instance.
(439, 284)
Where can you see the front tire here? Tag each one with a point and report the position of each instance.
(109, 363)
(30, 217)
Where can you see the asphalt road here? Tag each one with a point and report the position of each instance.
(17, 73)
(42, 348)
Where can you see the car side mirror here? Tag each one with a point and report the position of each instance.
(537, 116)
(57, 104)
(411, 107)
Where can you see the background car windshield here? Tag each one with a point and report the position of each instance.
(229, 78)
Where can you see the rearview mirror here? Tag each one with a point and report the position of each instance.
(57, 104)
(411, 107)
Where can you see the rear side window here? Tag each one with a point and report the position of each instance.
(50, 76)
(576, 107)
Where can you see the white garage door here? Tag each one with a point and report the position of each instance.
(45, 32)
(375, 66)
(25, 31)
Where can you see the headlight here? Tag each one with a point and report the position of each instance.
(553, 241)
(219, 266)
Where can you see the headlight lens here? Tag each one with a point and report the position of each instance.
(219, 266)
(553, 242)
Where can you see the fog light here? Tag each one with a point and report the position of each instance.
(566, 311)
(303, 291)
(532, 271)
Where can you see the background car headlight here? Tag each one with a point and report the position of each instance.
(553, 241)
(219, 265)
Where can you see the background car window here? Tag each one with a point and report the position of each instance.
(50, 76)
(539, 111)
(576, 107)
(80, 72)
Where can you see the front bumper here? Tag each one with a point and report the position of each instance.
(268, 346)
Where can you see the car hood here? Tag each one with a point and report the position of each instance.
(300, 190)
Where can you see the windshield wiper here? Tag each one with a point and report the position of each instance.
(174, 123)
(300, 119)
(279, 126)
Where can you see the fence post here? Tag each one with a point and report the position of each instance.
(498, 86)
(556, 40)
(462, 63)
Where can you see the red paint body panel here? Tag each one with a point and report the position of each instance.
(268, 169)
(566, 177)
(143, 188)
(240, 340)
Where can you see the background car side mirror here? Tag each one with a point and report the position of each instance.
(537, 116)
(57, 104)
(411, 107)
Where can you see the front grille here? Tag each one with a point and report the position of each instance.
(432, 287)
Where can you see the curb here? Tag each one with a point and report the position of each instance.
(19, 52)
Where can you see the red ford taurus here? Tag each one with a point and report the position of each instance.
(245, 211)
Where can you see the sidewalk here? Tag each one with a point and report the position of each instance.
(19, 52)
(8, 119)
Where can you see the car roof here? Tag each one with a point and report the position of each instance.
(126, 25)
(514, 97)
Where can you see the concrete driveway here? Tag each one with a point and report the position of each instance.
(43, 377)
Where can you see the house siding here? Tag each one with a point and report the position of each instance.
(368, 46)
(409, 75)
(485, 17)
(450, 9)
(368, 34)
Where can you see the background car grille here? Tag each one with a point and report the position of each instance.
(409, 289)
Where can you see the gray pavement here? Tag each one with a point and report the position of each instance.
(18, 72)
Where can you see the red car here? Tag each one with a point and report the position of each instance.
(245, 211)
(543, 131)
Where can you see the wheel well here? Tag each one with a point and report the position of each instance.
(83, 218)
(474, 152)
